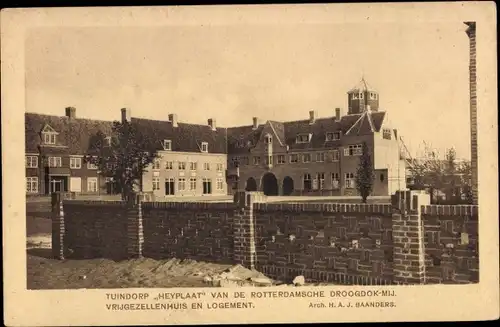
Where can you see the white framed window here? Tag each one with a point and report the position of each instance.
(156, 183)
(207, 186)
(55, 162)
(320, 156)
(333, 136)
(204, 147)
(182, 184)
(169, 165)
(192, 184)
(269, 160)
(75, 163)
(361, 95)
(193, 166)
(294, 158)
(220, 184)
(206, 166)
(220, 167)
(303, 138)
(107, 141)
(281, 159)
(335, 155)
(92, 184)
(31, 161)
(256, 160)
(353, 150)
(167, 145)
(32, 184)
(320, 177)
(349, 180)
(355, 96)
(306, 157)
(386, 134)
(169, 186)
(182, 165)
(49, 137)
(335, 181)
(268, 139)
(156, 165)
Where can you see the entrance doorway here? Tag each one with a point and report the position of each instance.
(169, 186)
(58, 184)
(287, 185)
(251, 185)
(270, 184)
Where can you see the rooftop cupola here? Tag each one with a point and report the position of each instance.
(361, 98)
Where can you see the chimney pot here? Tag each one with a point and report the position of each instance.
(337, 114)
(312, 116)
(255, 123)
(211, 123)
(71, 112)
(173, 119)
(125, 115)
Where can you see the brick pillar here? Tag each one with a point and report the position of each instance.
(471, 33)
(408, 236)
(135, 231)
(244, 229)
(58, 228)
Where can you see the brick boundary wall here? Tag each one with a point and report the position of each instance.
(406, 242)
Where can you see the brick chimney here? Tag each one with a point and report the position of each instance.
(173, 119)
(471, 33)
(337, 114)
(126, 115)
(71, 112)
(255, 123)
(212, 124)
(312, 116)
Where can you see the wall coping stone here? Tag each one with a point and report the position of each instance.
(450, 210)
(94, 202)
(190, 205)
(325, 207)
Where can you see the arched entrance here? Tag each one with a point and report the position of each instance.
(270, 184)
(251, 185)
(287, 186)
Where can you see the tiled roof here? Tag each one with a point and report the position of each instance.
(75, 133)
(362, 86)
(184, 137)
(288, 131)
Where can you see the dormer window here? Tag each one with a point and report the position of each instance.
(333, 136)
(167, 145)
(268, 139)
(303, 138)
(204, 147)
(49, 135)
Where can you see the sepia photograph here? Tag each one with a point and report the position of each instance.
(212, 158)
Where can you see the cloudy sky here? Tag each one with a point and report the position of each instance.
(279, 72)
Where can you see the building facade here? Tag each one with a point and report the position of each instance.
(318, 156)
(192, 157)
(315, 156)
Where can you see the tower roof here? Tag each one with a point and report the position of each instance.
(362, 86)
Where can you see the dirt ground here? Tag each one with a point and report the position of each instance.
(43, 272)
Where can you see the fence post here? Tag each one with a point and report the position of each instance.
(244, 228)
(135, 231)
(58, 228)
(408, 237)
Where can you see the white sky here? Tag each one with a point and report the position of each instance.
(280, 72)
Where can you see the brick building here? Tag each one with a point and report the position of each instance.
(318, 156)
(192, 157)
(315, 156)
